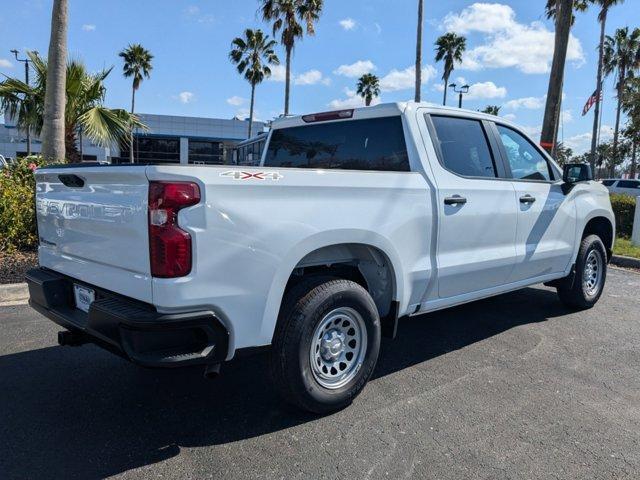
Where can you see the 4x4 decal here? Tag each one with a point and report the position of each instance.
(240, 175)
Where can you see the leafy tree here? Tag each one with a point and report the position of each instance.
(622, 56)
(563, 154)
(291, 18)
(137, 65)
(252, 55)
(551, 8)
(84, 111)
(449, 48)
(368, 87)
(492, 110)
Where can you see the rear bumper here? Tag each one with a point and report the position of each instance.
(129, 328)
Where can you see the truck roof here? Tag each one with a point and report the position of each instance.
(381, 110)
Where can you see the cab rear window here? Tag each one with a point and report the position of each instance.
(368, 144)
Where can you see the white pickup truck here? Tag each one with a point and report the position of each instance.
(352, 219)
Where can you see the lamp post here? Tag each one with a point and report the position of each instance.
(463, 89)
(26, 62)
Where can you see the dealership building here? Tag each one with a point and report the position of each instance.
(169, 139)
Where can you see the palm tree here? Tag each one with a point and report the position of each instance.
(249, 54)
(631, 106)
(604, 5)
(449, 47)
(564, 18)
(287, 17)
(54, 101)
(419, 52)
(368, 87)
(621, 55)
(492, 109)
(137, 64)
(84, 113)
(578, 6)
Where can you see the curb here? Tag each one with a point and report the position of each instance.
(625, 262)
(14, 292)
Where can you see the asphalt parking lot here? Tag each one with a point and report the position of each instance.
(509, 387)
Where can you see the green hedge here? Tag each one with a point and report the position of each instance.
(17, 205)
(624, 207)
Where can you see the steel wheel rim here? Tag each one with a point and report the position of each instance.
(592, 274)
(338, 347)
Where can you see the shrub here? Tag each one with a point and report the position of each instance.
(624, 207)
(17, 205)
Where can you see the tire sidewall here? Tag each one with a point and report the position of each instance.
(314, 312)
(589, 244)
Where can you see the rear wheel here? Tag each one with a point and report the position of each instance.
(326, 344)
(590, 275)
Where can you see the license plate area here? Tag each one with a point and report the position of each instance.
(83, 296)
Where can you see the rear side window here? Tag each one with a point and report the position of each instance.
(629, 184)
(464, 146)
(370, 144)
(608, 183)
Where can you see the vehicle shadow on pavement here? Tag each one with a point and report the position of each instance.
(81, 412)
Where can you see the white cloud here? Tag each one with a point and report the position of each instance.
(581, 143)
(4, 63)
(310, 77)
(405, 79)
(236, 101)
(347, 23)
(566, 116)
(88, 27)
(509, 116)
(352, 100)
(530, 103)
(278, 73)
(485, 90)
(186, 97)
(507, 43)
(355, 70)
(193, 12)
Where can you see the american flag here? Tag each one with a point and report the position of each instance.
(590, 102)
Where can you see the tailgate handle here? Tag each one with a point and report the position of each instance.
(73, 181)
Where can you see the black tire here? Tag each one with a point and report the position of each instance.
(577, 296)
(304, 308)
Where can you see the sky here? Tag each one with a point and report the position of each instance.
(509, 51)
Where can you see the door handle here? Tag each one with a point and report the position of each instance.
(455, 200)
(527, 199)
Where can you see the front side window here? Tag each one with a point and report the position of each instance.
(526, 162)
(463, 145)
(369, 144)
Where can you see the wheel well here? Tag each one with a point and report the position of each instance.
(603, 228)
(366, 265)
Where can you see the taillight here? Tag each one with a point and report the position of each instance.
(169, 245)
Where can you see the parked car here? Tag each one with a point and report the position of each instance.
(352, 219)
(624, 186)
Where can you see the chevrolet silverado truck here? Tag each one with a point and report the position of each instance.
(351, 220)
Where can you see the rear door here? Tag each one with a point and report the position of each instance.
(477, 208)
(546, 232)
(92, 225)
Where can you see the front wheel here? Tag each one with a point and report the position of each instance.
(326, 344)
(590, 275)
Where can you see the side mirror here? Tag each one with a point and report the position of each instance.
(576, 172)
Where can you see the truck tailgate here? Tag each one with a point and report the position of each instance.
(92, 225)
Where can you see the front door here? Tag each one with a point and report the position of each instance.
(478, 210)
(546, 232)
